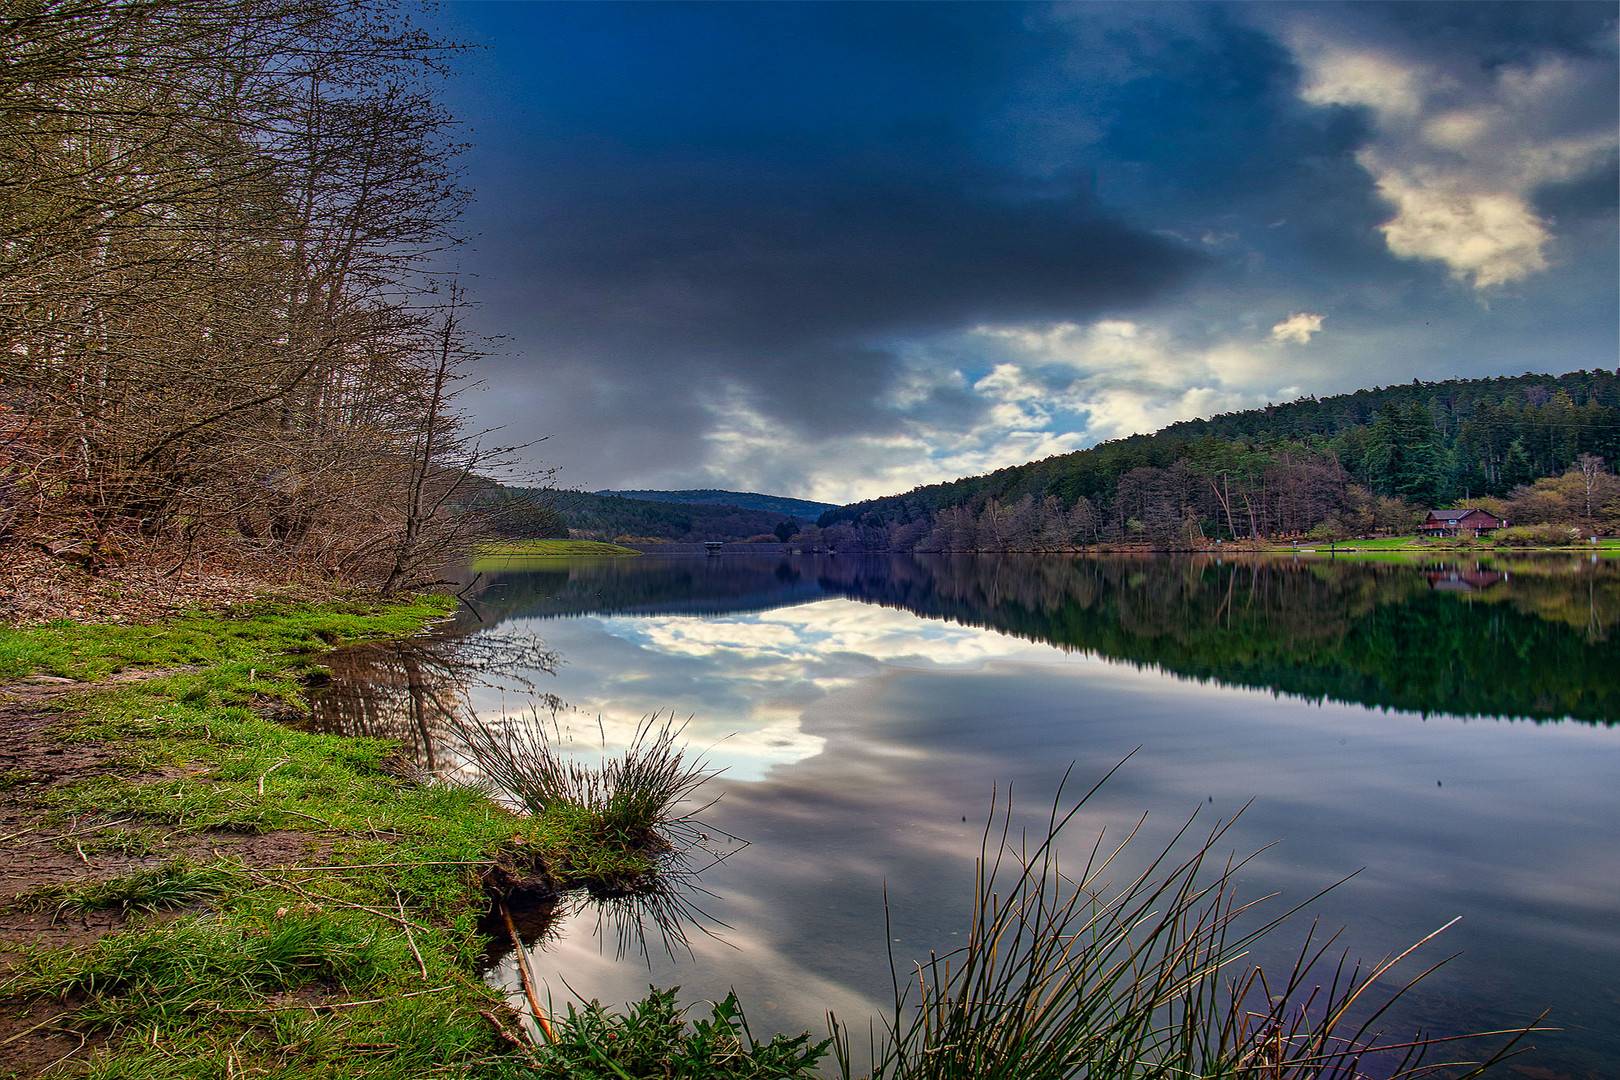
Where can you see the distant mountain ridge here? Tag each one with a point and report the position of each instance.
(748, 500)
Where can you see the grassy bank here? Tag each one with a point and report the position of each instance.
(275, 902)
(495, 556)
(550, 548)
(1417, 547)
(1405, 543)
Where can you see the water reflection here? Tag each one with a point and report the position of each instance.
(659, 921)
(866, 707)
(1529, 637)
(415, 691)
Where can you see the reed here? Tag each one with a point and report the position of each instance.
(1070, 975)
(636, 800)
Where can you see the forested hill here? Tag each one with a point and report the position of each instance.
(518, 513)
(748, 500)
(1354, 463)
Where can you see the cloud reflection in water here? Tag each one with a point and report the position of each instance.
(744, 680)
(858, 738)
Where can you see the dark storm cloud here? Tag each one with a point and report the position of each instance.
(1494, 32)
(692, 213)
(1209, 134)
(764, 277)
(760, 200)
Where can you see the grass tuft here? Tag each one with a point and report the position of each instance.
(130, 843)
(1066, 975)
(192, 959)
(629, 801)
(172, 885)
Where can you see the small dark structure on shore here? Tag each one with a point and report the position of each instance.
(1467, 522)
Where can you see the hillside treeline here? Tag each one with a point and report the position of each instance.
(614, 517)
(1535, 448)
(220, 331)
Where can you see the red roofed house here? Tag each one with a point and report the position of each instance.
(1468, 522)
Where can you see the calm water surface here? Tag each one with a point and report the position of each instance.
(1444, 731)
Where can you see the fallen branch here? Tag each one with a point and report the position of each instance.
(521, 1042)
(410, 938)
(528, 979)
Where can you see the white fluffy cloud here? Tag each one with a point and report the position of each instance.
(1459, 158)
(1297, 328)
(999, 421)
(996, 396)
(1115, 378)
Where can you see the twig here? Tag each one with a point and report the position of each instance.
(528, 979)
(66, 835)
(83, 1040)
(520, 1042)
(313, 1006)
(410, 938)
(462, 596)
(36, 1027)
(270, 770)
(311, 817)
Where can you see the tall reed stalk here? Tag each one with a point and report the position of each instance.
(1072, 976)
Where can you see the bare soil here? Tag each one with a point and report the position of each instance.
(40, 848)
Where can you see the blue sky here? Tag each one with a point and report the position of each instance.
(838, 250)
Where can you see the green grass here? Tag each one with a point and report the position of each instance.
(130, 843)
(16, 778)
(382, 905)
(531, 549)
(228, 768)
(174, 884)
(247, 632)
(1424, 543)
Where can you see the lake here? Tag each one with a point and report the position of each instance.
(1444, 732)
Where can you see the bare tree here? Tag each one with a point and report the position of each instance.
(217, 219)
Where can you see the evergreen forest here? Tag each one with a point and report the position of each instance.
(1531, 449)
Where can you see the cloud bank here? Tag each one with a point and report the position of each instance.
(837, 251)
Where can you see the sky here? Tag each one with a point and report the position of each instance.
(839, 250)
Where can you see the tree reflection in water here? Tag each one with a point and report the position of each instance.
(415, 692)
(1469, 634)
